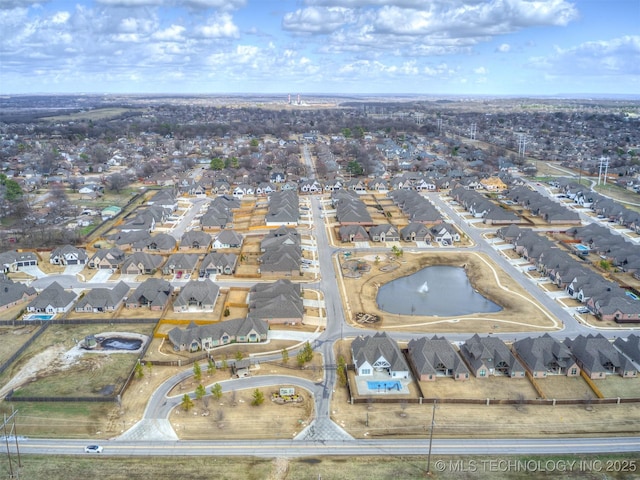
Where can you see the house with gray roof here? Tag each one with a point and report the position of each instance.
(102, 300)
(416, 232)
(14, 293)
(126, 240)
(161, 242)
(353, 233)
(68, 255)
(283, 208)
(13, 261)
(107, 258)
(597, 356)
(180, 263)
(197, 296)
(195, 240)
(228, 239)
(141, 263)
(545, 355)
(218, 263)
(630, 346)
(436, 357)
(490, 356)
(277, 302)
(207, 337)
(53, 299)
(384, 233)
(379, 354)
(153, 293)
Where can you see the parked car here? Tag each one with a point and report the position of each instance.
(93, 449)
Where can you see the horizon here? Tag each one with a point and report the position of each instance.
(512, 48)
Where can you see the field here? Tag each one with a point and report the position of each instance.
(325, 468)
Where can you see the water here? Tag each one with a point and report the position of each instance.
(384, 386)
(582, 248)
(38, 316)
(434, 291)
(119, 343)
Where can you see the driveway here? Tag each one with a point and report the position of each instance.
(34, 271)
(101, 276)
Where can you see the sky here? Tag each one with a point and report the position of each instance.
(423, 47)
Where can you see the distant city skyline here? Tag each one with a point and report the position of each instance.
(298, 47)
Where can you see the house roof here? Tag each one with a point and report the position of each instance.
(541, 353)
(104, 297)
(234, 328)
(11, 292)
(54, 295)
(430, 355)
(204, 292)
(370, 349)
(595, 352)
(154, 291)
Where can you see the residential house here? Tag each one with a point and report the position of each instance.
(195, 240)
(378, 354)
(153, 293)
(228, 239)
(353, 233)
(197, 296)
(68, 255)
(436, 357)
(102, 300)
(141, 263)
(545, 355)
(630, 346)
(445, 234)
(206, 337)
(53, 299)
(180, 264)
(283, 209)
(490, 356)
(218, 263)
(13, 261)
(384, 233)
(597, 356)
(277, 302)
(14, 293)
(416, 232)
(161, 243)
(107, 258)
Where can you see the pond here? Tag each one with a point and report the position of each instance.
(441, 290)
(120, 343)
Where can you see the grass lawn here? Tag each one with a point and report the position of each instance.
(442, 467)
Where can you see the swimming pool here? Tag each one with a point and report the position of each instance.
(582, 248)
(378, 386)
(39, 316)
(632, 295)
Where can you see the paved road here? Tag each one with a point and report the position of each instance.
(500, 447)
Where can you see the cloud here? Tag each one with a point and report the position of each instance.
(503, 48)
(221, 26)
(12, 4)
(316, 20)
(618, 56)
(480, 71)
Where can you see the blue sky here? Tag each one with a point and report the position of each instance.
(461, 47)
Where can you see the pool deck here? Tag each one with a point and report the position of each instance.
(363, 389)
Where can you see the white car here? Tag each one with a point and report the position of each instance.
(93, 449)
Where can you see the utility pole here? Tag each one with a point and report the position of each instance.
(13, 433)
(604, 162)
(433, 422)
